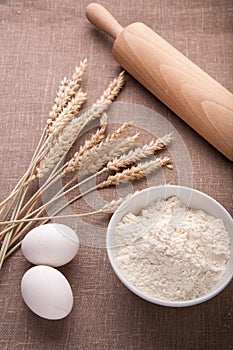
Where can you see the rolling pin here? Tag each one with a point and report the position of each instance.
(187, 90)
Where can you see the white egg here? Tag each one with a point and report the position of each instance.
(50, 244)
(47, 292)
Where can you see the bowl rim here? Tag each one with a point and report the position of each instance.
(135, 290)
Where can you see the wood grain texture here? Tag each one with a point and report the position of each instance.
(41, 42)
(192, 94)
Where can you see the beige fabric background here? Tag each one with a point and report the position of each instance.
(41, 41)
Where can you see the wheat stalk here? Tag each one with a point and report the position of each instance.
(121, 145)
(124, 145)
(108, 96)
(97, 155)
(134, 173)
(108, 208)
(127, 175)
(116, 164)
(62, 129)
(56, 152)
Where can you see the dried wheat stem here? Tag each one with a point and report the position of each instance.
(138, 172)
(39, 210)
(32, 202)
(11, 251)
(48, 218)
(127, 175)
(18, 196)
(58, 124)
(108, 208)
(53, 177)
(60, 194)
(63, 207)
(134, 173)
(21, 232)
(6, 241)
(25, 229)
(28, 172)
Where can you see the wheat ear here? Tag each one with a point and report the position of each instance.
(67, 90)
(113, 89)
(66, 115)
(112, 206)
(74, 163)
(100, 155)
(119, 132)
(139, 153)
(135, 173)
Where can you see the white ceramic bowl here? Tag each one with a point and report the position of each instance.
(191, 198)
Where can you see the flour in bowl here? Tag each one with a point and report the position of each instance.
(172, 252)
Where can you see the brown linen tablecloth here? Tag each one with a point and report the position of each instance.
(41, 41)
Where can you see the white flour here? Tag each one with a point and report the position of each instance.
(172, 252)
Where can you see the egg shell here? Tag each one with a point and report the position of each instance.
(47, 292)
(50, 244)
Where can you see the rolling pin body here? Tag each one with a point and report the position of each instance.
(192, 94)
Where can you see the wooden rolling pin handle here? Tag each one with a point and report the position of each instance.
(103, 20)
